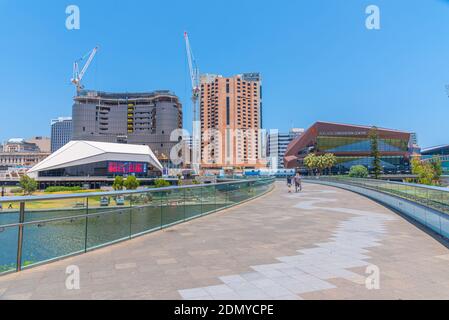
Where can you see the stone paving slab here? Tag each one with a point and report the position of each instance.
(317, 244)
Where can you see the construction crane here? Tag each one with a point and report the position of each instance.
(77, 75)
(195, 81)
(194, 76)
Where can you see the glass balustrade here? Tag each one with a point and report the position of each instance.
(429, 204)
(39, 229)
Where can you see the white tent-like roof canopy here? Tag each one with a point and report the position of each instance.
(77, 153)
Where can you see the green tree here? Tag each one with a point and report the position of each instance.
(330, 160)
(358, 171)
(428, 172)
(118, 183)
(321, 163)
(29, 185)
(375, 154)
(131, 183)
(310, 162)
(161, 183)
(437, 168)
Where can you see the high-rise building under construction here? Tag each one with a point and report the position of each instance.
(134, 118)
(231, 121)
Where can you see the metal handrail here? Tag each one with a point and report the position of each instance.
(416, 185)
(434, 198)
(115, 193)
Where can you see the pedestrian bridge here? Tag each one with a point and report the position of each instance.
(326, 242)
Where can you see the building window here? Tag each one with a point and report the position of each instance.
(228, 121)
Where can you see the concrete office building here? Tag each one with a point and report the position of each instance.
(277, 145)
(18, 155)
(231, 121)
(128, 118)
(19, 145)
(43, 143)
(61, 132)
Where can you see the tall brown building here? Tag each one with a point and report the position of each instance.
(231, 121)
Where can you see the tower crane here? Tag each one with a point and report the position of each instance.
(78, 75)
(195, 81)
(194, 76)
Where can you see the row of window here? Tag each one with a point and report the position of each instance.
(347, 144)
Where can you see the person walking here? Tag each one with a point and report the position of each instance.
(289, 184)
(298, 184)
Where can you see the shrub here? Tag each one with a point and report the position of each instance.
(118, 183)
(358, 171)
(428, 172)
(62, 189)
(161, 183)
(16, 190)
(131, 183)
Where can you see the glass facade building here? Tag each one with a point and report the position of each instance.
(61, 132)
(278, 143)
(351, 145)
(103, 169)
(442, 152)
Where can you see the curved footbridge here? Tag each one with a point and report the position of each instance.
(322, 243)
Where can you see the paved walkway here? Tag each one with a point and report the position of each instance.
(323, 243)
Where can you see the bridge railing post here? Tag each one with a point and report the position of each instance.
(20, 236)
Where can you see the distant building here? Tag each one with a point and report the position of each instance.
(128, 118)
(352, 146)
(442, 152)
(414, 148)
(43, 143)
(231, 121)
(413, 138)
(278, 143)
(19, 145)
(98, 159)
(61, 132)
(17, 153)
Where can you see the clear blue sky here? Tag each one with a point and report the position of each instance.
(317, 59)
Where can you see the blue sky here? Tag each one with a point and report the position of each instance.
(317, 59)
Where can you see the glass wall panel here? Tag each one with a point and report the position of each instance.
(237, 192)
(173, 209)
(8, 251)
(208, 199)
(109, 220)
(9, 212)
(445, 226)
(146, 212)
(221, 196)
(48, 240)
(193, 202)
(55, 208)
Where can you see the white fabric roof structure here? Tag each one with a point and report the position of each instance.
(77, 153)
